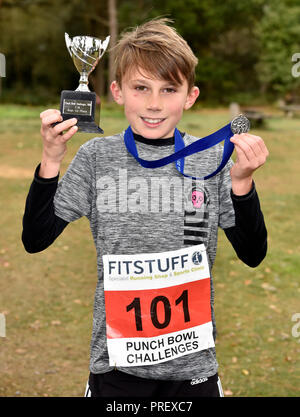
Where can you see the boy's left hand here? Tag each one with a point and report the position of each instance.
(251, 153)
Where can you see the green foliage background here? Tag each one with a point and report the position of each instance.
(244, 47)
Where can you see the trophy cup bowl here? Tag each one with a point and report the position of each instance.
(85, 51)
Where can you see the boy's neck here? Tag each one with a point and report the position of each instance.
(155, 142)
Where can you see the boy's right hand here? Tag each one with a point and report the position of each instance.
(54, 141)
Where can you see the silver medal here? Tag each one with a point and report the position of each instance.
(240, 124)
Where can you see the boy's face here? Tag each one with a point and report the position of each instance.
(153, 107)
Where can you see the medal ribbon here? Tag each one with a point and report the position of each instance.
(181, 151)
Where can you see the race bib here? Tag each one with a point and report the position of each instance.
(157, 306)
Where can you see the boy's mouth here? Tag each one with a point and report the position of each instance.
(152, 122)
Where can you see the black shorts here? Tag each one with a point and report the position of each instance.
(120, 384)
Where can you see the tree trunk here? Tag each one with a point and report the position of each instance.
(113, 31)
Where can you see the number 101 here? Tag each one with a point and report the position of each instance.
(136, 306)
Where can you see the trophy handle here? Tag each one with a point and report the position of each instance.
(104, 45)
(68, 43)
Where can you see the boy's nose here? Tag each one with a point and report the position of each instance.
(154, 102)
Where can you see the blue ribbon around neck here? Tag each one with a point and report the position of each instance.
(181, 151)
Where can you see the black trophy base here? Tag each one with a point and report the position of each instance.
(80, 104)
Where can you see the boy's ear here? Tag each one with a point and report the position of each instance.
(116, 92)
(191, 97)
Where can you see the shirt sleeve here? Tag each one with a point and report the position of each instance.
(40, 225)
(242, 220)
(74, 195)
(249, 235)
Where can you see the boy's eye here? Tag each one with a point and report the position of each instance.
(169, 90)
(141, 88)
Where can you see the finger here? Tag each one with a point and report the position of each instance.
(241, 157)
(247, 157)
(60, 127)
(256, 144)
(261, 144)
(66, 136)
(51, 118)
(244, 147)
(48, 112)
(253, 142)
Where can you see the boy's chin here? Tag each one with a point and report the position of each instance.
(154, 133)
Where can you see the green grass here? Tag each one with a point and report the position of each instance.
(47, 298)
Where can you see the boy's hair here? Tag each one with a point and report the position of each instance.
(156, 49)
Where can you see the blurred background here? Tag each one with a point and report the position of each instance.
(248, 53)
(244, 47)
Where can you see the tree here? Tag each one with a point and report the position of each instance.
(279, 38)
(221, 34)
(113, 30)
(243, 47)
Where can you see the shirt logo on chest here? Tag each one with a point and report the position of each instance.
(196, 215)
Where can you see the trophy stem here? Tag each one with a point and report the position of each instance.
(83, 82)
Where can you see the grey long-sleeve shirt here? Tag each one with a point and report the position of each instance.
(137, 210)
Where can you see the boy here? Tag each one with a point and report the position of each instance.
(154, 329)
